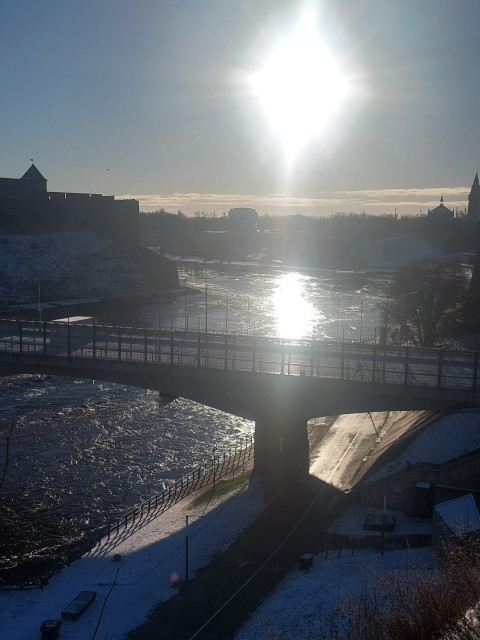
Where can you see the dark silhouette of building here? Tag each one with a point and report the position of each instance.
(441, 212)
(242, 219)
(474, 201)
(27, 207)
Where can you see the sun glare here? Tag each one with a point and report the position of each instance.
(301, 87)
(294, 314)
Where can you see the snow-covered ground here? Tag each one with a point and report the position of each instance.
(152, 561)
(66, 265)
(315, 601)
(442, 440)
(154, 558)
(308, 603)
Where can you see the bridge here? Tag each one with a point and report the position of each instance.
(279, 384)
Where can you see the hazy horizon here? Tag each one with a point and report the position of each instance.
(406, 202)
(203, 106)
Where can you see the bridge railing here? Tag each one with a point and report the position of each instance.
(362, 362)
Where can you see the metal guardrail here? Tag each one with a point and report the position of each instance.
(361, 362)
(205, 475)
(128, 523)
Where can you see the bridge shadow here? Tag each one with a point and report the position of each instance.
(292, 522)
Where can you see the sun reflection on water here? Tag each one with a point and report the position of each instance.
(292, 307)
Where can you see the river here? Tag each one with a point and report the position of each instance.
(83, 451)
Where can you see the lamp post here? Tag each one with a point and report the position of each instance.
(213, 465)
(40, 306)
(226, 318)
(206, 305)
(338, 313)
(361, 319)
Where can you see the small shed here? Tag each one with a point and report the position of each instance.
(453, 519)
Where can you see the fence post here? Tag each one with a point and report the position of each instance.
(68, 340)
(44, 338)
(20, 336)
(283, 358)
(475, 371)
(374, 363)
(253, 354)
(312, 358)
(119, 343)
(198, 349)
(342, 363)
(94, 338)
(145, 346)
(405, 375)
(171, 348)
(440, 366)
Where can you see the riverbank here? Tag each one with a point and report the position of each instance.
(136, 573)
(82, 453)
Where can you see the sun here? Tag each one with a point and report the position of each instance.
(301, 87)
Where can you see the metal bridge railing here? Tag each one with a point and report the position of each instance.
(361, 362)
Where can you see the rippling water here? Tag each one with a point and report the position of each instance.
(82, 452)
(286, 304)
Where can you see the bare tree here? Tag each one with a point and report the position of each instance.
(427, 299)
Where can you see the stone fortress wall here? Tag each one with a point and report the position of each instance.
(27, 207)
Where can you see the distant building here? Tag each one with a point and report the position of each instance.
(27, 207)
(441, 212)
(474, 201)
(242, 219)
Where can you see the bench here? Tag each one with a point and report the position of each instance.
(305, 561)
(50, 629)
(378, 522)
(78, 605)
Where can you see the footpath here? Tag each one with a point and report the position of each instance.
(241, 578)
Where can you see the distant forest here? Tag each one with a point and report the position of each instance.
(304, 240)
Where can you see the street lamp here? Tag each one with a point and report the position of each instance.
(226, 318)
(40, 306)
(206, 305)
(338, 313)
(361, 319)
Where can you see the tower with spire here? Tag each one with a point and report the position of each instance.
(474, 201)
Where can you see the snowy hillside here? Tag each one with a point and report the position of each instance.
(66, 265)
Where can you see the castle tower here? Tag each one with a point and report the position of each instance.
(474, 201)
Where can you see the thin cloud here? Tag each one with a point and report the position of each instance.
(376, 201)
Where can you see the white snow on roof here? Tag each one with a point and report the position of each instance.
(460, 514)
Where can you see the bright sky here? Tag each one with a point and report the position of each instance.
(289, 106)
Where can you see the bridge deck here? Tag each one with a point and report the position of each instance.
(349, 361)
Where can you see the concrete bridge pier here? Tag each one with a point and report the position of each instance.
(281, 452)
